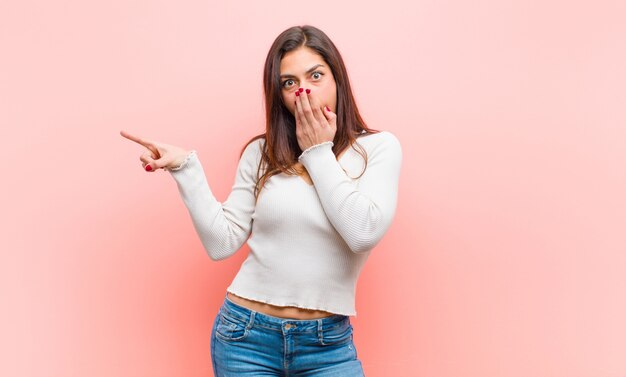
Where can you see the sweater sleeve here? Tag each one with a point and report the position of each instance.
(222, 227)
(360, 210)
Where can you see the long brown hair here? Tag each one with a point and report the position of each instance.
(281, 150)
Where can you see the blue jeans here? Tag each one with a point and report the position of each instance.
(245, 342)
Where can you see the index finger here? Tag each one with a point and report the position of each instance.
(137, 139)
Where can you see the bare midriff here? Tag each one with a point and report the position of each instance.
(278, 311)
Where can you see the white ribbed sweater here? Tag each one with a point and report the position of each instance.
(308, 243)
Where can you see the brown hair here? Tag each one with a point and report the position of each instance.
(281, 150)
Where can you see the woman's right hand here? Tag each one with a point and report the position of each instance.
(158, 155)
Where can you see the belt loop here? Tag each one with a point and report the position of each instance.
(251, 319)
(319, 329)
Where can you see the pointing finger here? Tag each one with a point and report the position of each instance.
(146, 143)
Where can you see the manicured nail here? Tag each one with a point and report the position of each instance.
(148, 167)
(327, 108)
(300, 90)
(297, 94)
(308, 91)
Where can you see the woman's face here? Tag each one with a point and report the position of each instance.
(305, 68)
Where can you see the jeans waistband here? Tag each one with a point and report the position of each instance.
(253, 317)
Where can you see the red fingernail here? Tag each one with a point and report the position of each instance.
(148, 167)
(308, 91)
(327, 108)
(297, 94)
(300, 89)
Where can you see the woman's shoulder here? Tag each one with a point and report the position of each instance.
(253, 147)
(382, 149)
(380, 140)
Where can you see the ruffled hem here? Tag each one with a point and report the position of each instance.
(185, 161)
(315, 146)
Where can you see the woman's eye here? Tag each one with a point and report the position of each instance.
(286, 81)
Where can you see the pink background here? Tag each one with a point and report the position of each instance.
(508, 253)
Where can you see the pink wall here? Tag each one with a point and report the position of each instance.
(508, 253)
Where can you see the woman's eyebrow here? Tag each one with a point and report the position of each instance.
(309, 71)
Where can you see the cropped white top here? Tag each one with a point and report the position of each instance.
(308, 243)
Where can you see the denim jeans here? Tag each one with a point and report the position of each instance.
(245, 342)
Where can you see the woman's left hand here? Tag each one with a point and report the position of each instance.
(314, 124)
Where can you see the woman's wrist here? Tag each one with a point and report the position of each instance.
(309, 149)
(183, 162)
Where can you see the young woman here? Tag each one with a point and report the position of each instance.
(312, 197)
